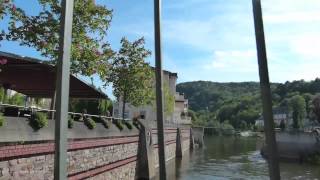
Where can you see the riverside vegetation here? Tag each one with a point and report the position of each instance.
(239, 104)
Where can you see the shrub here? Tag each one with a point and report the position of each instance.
(1, 120)
(118, 124)
(39, 120)
(136, 124)
(70, 121)
(90, 123)
(314, 158)
(105, 123)
(128, 124)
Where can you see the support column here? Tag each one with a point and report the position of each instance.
(191, 139)
(62, 88)
(146, 161)
(159, 89)
(179, 150)
(272, 150)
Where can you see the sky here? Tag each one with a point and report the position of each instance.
(214, 39)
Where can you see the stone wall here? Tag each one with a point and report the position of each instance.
(170, 142)
(104, 154)
(86, 158)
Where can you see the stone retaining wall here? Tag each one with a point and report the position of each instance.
(105, 154)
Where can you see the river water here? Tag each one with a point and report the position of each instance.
(233, 158)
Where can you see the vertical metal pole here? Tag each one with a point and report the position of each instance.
(272, 150)
(159, 88)
(62, 88)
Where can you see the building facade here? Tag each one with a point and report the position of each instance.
(148, 112)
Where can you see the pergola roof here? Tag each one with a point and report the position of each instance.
(36, 78)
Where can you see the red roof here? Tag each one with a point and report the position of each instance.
(36, 78)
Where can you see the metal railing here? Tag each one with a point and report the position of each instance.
(37, 109)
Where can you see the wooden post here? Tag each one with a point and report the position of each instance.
(159, 89)
(62, 88)
(272, 150)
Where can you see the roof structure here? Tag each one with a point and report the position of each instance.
(37, 78)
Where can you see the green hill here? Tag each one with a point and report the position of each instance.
(239, 103)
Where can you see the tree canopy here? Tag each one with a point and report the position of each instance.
(90, 51)
(240, 103)
(130, 75)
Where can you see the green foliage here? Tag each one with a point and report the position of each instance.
(316, 107)
(243, 125)
(105, 106)
(89, 52)
(70, 121)
(1, 120)
(314, 158)
(2, 94)
(118, 124)
(227, 125)
(169, 100)
(239, 102)
(130, 75)
(104, 123)
(90, 123)
(136, 124)
(91, 106)
(16, 99)
(298, 107)
(128, 124)
(39, 120)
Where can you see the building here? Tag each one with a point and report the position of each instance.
(279, 114)
(148, 112)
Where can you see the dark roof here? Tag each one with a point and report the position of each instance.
(36, 78)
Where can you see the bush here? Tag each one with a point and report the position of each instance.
(1, 120)
(128, 124)
(136, 123)
(39, 120)
(91, 124)
(105, 123)
(314, 158)
(70, 121)
(118, 124)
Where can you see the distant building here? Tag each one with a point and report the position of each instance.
(148, 112)
(279, 114)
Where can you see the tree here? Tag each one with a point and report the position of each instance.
(316, 107)
(89, 51)
(105, 106)
(130, 75)
(298, 107)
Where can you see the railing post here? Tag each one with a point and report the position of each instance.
(272, 150)
(62, 88)
(159, 88)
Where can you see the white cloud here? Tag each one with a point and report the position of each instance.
(307, 46)
(234, 61)
(292, 17)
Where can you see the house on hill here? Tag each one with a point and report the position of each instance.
(279, 114)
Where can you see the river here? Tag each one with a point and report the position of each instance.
(233, 158)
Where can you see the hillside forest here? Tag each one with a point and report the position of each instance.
(238, 105)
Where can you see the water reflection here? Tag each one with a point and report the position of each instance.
(225, 158)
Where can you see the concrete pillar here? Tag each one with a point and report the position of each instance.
(191, 139)
(145, 163)
(179, 144)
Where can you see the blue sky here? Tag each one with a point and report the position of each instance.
(214, 39)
